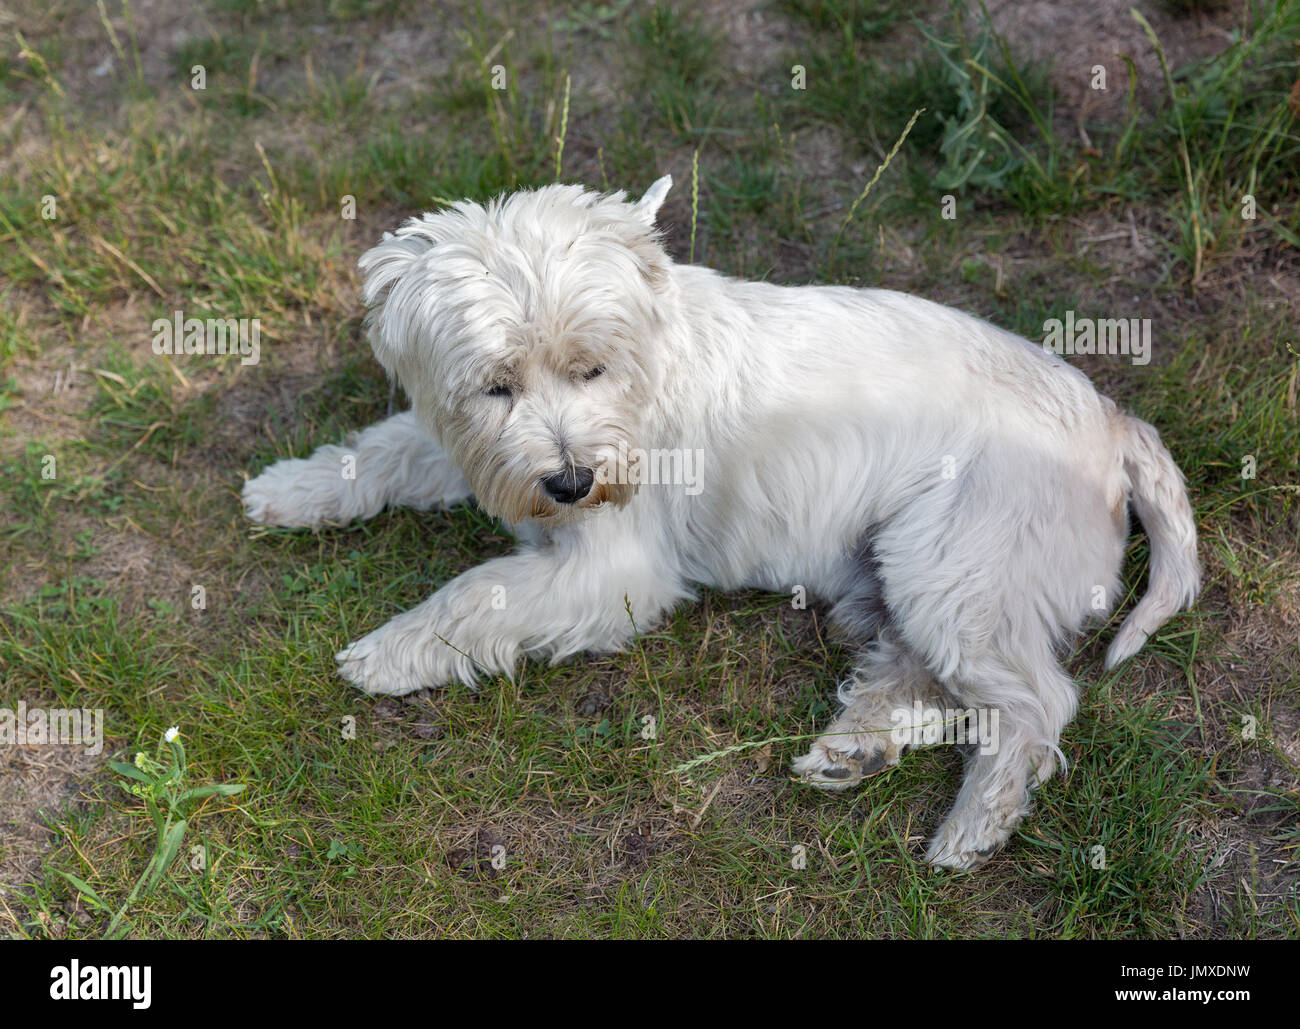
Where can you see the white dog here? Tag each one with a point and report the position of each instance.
(957, 495)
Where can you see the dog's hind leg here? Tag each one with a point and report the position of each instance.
(394, 463)
(886, 697)
(1021, 755)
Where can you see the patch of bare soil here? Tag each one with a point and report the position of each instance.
(1072, 38)
(1247, 691)
(93, 64)
(392, 55)
(755, 36)
(36, 782)
(48, 399)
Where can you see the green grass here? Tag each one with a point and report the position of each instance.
(680, 69)
(856, 19)
(334, 830)
(536, 807)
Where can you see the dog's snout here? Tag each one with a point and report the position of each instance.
(570, 485)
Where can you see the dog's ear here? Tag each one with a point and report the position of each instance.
(644, 241)
(382, 268)
(648, 206)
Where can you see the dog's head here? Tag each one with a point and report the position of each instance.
(523, 331)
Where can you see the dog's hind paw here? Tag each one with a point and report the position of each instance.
(841, 759)
(973, 834)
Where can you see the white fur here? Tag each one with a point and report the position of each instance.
(959, 495)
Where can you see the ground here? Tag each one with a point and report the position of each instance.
(550, 806)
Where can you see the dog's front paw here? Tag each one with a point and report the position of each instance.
(846, 755)
(293, 493)
(309, 493)
(405, 655)
(380, 664)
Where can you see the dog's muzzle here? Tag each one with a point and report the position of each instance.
(570, 485)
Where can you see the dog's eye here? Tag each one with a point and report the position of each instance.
(500, 390)
(594, 373)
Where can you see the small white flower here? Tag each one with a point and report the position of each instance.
(172, 733)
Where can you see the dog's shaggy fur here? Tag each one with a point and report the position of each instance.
(957, 495)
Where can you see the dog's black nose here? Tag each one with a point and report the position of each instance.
(570, 485)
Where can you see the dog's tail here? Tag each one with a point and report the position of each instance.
(1160, 499)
